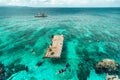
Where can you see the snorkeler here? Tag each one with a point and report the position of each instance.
(63, 70)
(67, 65)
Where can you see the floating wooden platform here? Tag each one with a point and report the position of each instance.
(54, 50)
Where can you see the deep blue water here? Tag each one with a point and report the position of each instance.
(24, 11)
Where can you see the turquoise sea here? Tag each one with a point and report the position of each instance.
(90, 35)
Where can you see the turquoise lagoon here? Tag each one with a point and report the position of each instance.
(90, 35)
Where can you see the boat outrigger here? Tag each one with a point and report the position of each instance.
(41, 15)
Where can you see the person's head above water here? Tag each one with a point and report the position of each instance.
(67, 65)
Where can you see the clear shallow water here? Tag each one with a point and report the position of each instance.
(90, 35)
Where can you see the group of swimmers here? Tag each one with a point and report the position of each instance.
(63, 70)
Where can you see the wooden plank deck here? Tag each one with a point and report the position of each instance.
(54, 50)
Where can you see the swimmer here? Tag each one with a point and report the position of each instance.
(61, 71)
(67, 65)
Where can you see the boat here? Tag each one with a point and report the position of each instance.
(41, 15)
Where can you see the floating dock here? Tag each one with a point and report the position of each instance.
(54, 50)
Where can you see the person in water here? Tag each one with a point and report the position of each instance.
(67, 65)
(63, 70)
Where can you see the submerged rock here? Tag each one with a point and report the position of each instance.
(20, 68)
(2, 72)
(33, 78)
(11, 69)
(83, 71)
(107, 66)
